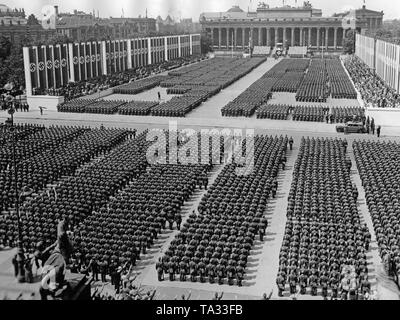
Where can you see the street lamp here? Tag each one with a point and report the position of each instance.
(9, 100)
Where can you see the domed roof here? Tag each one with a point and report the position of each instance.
(235, 9)
(3, 8)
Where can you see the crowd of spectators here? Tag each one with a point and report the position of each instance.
(374, 91)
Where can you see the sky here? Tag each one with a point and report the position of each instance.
(192, 8)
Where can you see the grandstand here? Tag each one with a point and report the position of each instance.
(261, 51)
(297, 52)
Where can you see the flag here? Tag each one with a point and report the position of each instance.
(82, 61)
(58, 81)
(75, 61)
(64, 62)
(88, 60)
(42, 67)
(33, 67)
(349, 21)
(55, 193)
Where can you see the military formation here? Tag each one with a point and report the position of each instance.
(346, 114)
(137, 108)
(378, 164)
(273, 111)
(323, 235)
(214, 243)
(74, 90)
(202, 81)
(57, 192)
(309, 113)
(258, 94)
(325, 77)
(128, 225)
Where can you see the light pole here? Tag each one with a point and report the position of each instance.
(20, 253)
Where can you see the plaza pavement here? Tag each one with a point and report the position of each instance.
(263, 262)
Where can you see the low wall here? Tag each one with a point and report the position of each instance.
(384, 116)
(99, 95)
(48, 102)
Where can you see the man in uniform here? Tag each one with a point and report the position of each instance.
(292, 282)
(303, 283)
(313, 284)
(178, 220)
(239, 275)
(261, 232)
(160, 270)
(103, 270)
(220, 274)
(280, 281)
(95, 269)
(202, 272)
(171, 271)
(211, 273)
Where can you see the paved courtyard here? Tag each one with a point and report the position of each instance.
(263, 263)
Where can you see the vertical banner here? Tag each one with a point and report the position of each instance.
(88, 60)
(108, 57)
(93, 58)
(64, 63)
(42, 67)
(77, 69)
(120, 55)
(57, 66)
(113, 57)
(146, 48)
(99, 54)
(33, 67)
(82, 61)
(49, 67)
(133, 52)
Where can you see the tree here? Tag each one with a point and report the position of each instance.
(32, 20)
(206, 45)
(5, 47)
(14, 67)
(349, 42)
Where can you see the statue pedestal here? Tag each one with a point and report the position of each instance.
(80, 286)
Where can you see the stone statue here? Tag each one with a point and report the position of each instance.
(54, 270)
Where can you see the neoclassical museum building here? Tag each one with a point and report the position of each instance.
(291, 26)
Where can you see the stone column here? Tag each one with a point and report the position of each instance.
(301, 37)
(219, 37)
(212, 37)
(309, 37)
(251, 37)
(326, 38)
(259, 37)
(28, 80)
(276, 35)
(292, 37)
(268, 37)
(227, 38)
(243, 37)
(284, 37)
(166, 47)
(318, 37)
(235, 38)
(335, 38)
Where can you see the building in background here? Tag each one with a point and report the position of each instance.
(373, 20)
(170, 26)
(15, 26)
(81, 26)
(291, 26)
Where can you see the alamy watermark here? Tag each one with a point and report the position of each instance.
(188, 146)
